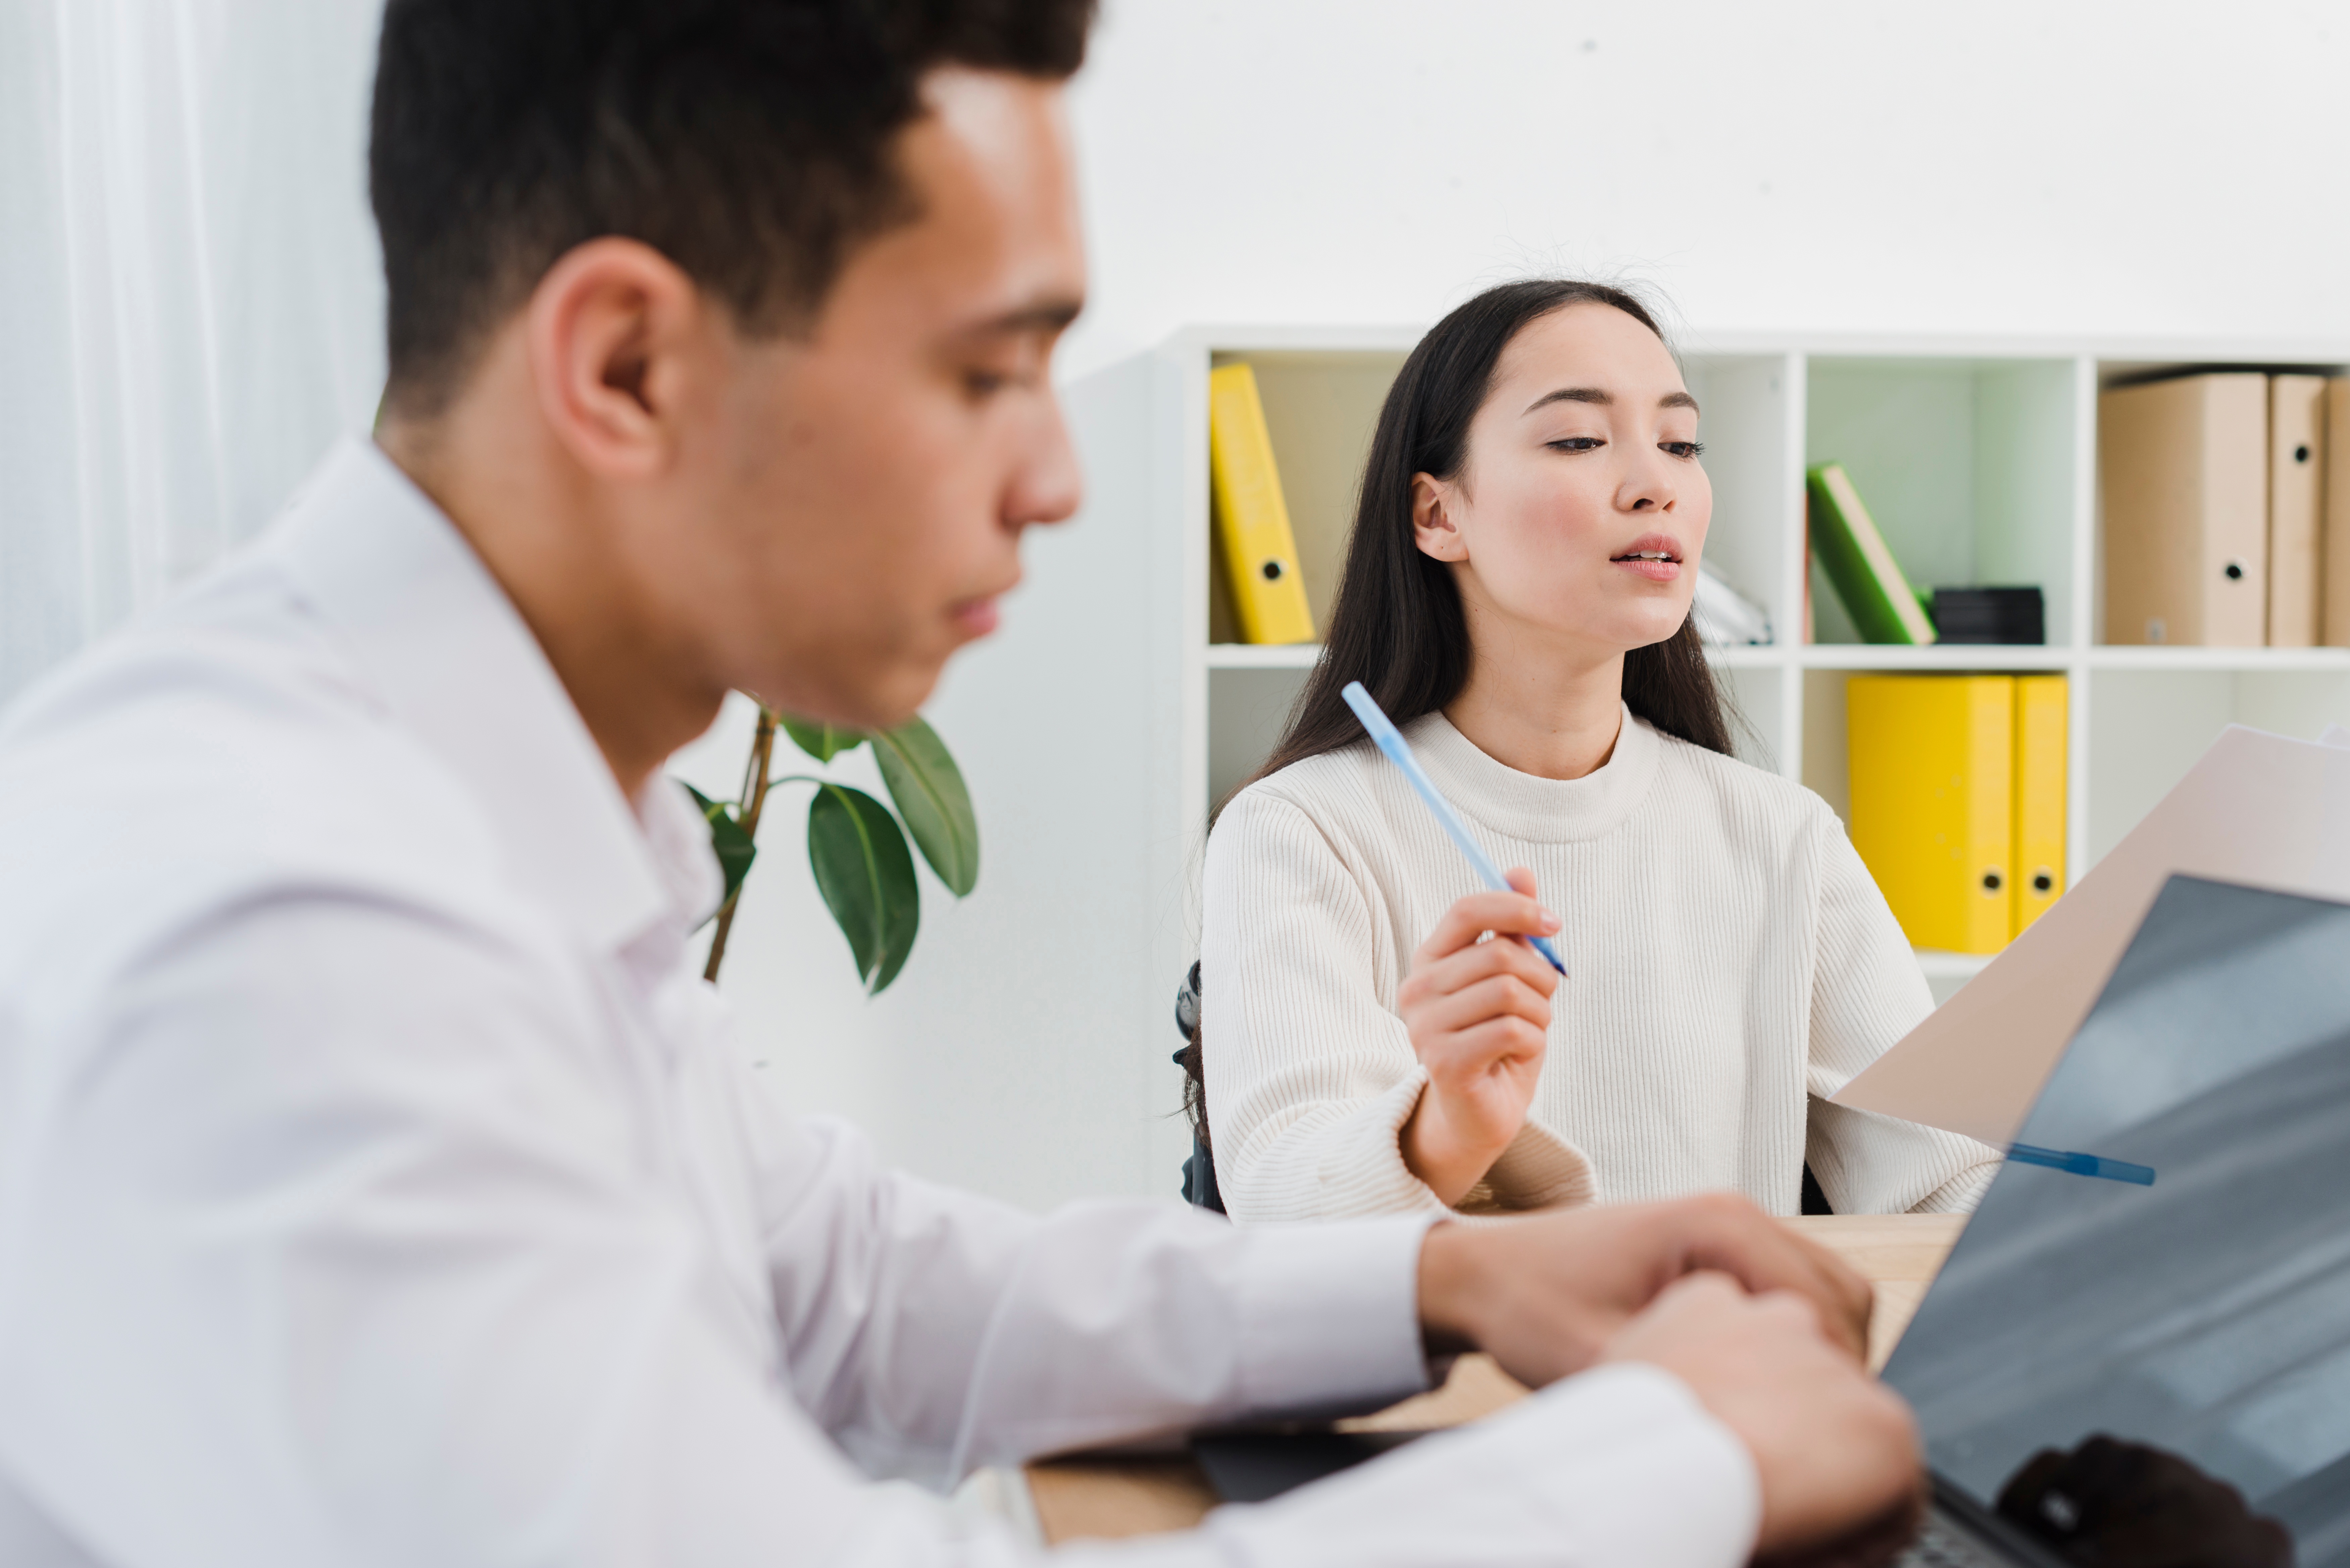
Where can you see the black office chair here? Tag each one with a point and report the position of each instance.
(1200, 1169)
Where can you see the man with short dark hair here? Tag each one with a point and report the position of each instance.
(378, 1182)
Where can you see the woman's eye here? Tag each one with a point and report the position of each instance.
(1682, 449)
(1575, 443)
(984, 383)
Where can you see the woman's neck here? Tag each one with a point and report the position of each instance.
(1542, 710)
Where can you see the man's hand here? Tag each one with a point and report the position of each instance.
(1834, 1449)
(1544, 1295)
(1478, 1016)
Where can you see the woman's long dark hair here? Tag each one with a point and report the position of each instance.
(1397, 625)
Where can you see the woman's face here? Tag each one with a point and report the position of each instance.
(1580, 512)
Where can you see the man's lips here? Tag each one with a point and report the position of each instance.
(976, 617)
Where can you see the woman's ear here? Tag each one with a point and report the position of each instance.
(1431, 520)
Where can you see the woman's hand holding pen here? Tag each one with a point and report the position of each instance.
(1478, 1015)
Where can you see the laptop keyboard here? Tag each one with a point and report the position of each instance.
(1943, 1545)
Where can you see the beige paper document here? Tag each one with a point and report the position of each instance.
(2258, 809)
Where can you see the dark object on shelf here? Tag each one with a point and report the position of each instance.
(2010, 616)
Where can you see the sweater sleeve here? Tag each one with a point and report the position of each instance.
(1310, 1073)
(1866, 993)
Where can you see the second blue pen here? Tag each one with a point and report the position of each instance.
(1388, 739)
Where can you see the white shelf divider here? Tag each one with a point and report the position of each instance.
(1264, 656)
(1748, 656)
(2230, 660)
(1939, 964)
(1936, 655)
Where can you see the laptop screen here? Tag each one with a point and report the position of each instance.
(2205, 1316)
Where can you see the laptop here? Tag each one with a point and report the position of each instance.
(2139, 1349)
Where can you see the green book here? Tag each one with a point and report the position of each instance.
(1862, 571)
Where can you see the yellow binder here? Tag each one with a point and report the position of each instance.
(1933, 801)
(1252, 522)
(2039, 755)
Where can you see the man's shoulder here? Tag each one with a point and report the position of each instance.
(220, 751)
(237, 650)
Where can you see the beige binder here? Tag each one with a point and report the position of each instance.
(2333, 551)
(2184, 468)
(2296, 495)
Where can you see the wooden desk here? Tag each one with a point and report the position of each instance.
(1108, 1498)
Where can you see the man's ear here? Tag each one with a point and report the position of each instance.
(1431, 525)
(613, 330)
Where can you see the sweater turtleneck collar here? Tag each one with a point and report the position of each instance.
(1537, 810)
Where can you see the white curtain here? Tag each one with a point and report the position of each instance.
(191, 299)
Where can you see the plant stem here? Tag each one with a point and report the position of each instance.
(754, 798)
(747, 808)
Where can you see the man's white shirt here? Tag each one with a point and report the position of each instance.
(379, 1183)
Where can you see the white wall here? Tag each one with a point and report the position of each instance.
(190, 302)
(2008, 166)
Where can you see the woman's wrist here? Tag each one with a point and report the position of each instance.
(1435, 1150)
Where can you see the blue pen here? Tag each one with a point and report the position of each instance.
(1388, 739)
(2083, 1164)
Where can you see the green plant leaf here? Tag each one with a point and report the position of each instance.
(866, 876)
(930, 794)
(821, 740)
(727, 840)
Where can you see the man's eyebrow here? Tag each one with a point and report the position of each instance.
(1044, 316)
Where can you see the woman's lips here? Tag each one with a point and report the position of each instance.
(1656, 556)
(1656, 568)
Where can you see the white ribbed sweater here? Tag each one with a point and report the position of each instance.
(1730, 961)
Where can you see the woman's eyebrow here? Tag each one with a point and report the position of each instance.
(1571, 395)
(1604, 400)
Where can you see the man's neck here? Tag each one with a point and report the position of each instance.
(537, 540)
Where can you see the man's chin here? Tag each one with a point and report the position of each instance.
(850, 703)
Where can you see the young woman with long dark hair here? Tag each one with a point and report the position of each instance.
(1516, 597)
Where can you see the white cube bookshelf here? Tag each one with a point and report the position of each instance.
(1977, 458)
